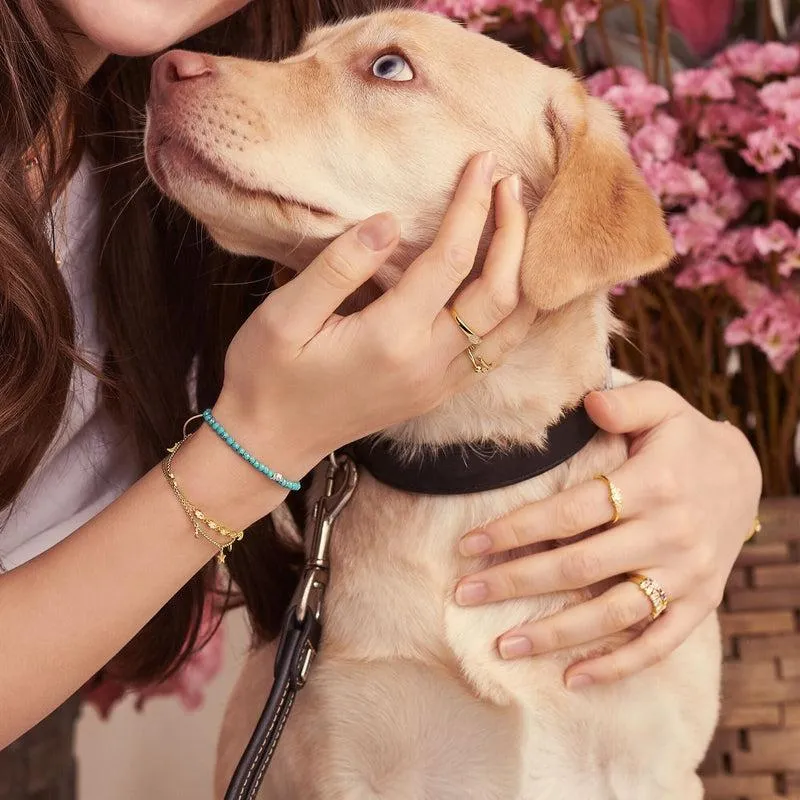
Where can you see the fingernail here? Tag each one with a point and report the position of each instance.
(515, 646)
(379, 231)
(475, 543)
(515, 185)
(471, 592)
(579, 682)
(604, 399)
(489, 163)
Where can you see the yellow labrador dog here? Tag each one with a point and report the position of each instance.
(409, 699)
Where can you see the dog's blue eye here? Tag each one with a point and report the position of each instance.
(392, 68)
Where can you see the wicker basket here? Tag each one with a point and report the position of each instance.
(41, 764)
(756, 753)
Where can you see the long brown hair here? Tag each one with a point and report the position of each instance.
(165, 294)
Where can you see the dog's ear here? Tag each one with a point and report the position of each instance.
(597, 224)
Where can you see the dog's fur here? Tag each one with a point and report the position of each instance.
(409, 698)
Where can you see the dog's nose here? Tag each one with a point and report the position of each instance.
(175, 67)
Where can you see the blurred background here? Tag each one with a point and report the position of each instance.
(709, 94)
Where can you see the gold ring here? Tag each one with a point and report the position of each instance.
(472, 337)
(655, 593)
(614, 495)
(479, 365)
(755, 530)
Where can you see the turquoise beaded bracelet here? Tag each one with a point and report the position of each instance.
(215, 426)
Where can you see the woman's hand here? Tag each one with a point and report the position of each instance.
(691, 489)
(303, 381)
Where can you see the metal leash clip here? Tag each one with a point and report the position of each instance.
(340, 483)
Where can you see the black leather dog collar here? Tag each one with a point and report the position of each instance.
(476, 467)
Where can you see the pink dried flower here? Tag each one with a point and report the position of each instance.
(748, 293)
(766, 150)
(674, 183)
(656, 140)
(779, 58)
(696, 231)
(790, 261)
(704, 272)
(478, 14)
(599, 83)
(773, 326)
(456, 9)
(723, 122)
(756, 61)
(704, 84)
(789, 128)
(736, 245)
(712, 167)
(729, 205)
(577, 16)
(775, 238)
(637, 102)
(777, 94)
(789, 192)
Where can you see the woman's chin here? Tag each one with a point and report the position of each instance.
(137, 28)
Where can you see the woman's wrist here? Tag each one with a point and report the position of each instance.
(223, 484)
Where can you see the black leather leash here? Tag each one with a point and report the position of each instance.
(300, 634)
(456, 469)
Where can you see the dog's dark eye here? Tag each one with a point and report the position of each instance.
(392, 68)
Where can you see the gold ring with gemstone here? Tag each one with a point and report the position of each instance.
(479, 365)
(472, 337)
(614, 495)
(654, 591)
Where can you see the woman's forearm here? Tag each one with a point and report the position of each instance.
(65, 614)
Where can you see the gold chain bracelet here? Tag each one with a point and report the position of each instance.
(195, 515)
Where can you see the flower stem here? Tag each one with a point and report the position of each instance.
(608, 52)
(641, 29)
(789, 424)
(762, 446)
(780, 473)
(766, 21)
(570, 53)
(663, 43)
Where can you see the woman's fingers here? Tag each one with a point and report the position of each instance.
(493, 349)
(311, 298)
(657, 641)
(492, 297)
(617, 609)
(635, 407)
(597, 558)
(575, 510)
(432, 279)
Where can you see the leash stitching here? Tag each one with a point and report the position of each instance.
(263, 743)
(275, 740)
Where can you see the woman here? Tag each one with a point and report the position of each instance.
(109, 302)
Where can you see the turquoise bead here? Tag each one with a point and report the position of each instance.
(214, 424)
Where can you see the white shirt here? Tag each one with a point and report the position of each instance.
(91, 461)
